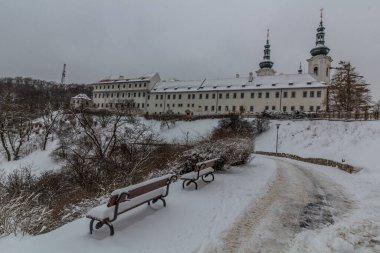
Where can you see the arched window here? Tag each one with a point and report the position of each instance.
(327, 71)
(316, 71)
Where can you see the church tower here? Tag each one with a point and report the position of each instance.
(320, 62)
(266, 64)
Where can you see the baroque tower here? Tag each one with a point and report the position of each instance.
(266, 64)
(320, 62)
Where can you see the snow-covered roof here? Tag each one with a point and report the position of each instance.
(281, 81)
(122, 79)
(81, 96)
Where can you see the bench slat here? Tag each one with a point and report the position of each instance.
(147, 188)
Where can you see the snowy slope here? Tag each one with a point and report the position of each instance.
(359, 144)
(193, 221)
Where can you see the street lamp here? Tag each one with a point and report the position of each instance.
(278, 126)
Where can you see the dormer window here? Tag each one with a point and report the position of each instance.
(258, 85)
(308, 83)
(291, 84)
(243, 85)
(188, 88)
(215, 87)
(228, 86)
(273, 84)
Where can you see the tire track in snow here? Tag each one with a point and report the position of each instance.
(298, 199)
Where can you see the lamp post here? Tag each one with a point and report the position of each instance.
(278, 126)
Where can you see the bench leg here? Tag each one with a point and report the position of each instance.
(208, 181)
(91, 225)
(112, 232)
(163, 201)
(188, 182)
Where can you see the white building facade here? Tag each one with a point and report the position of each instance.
(267, 91)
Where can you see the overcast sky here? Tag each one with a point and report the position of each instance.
(185, 39)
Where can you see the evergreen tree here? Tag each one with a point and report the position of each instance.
(348, 91)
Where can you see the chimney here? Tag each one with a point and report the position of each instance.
(237, 75)
(250, 79)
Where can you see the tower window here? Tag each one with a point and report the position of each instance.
(327, 71)
(316, 71)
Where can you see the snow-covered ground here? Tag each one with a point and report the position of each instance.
(193, 221)
(358, 143)
(39, 161)
(198, 221)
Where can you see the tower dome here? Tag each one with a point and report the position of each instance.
(320, 48)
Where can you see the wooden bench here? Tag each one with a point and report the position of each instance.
(125, 199)
(201, 170)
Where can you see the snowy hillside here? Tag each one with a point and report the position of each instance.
(358, 143)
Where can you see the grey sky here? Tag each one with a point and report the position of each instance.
(186, 39)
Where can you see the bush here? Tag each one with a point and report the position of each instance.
(230, 151)
(234, 126)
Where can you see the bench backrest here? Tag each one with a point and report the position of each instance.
(135, 192)
(206, 164)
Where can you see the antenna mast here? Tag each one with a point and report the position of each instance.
(63, 74)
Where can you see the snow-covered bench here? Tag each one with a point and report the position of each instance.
(125, 199)
(202, 170)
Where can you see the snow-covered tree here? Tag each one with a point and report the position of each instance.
(348, 91)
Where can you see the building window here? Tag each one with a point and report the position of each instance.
(260, 94)
(284, 108)
(327, 71)
(188, 105)
(139, 94)
(267, 95)
(301, 108)
(311, 94)
(219, 108)
(273, 108)
(193, 97)
(213, 96)
(206, 108)
(220, 95)
(174, 96)
(252, 95)
(311, 108)
(206, 96)
(188, 96)
(251, 107)
(162, 97)
(319, 94)
(212, 108)
(129, 85)
(316, 71)
(156, 105)
(234, 95)
(233, 108)
(226, 108)
(192, 105)
(241, 95)
(292, 108)
(227, 95)
(200, 96)
(169, 97)
(285, 94)
(179, 96)
(173, 105)
(156, 97)
(266, 108)
(293, 94)
(134, 94)
(318, 108)
(277, 94)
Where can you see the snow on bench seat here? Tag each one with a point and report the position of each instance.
(124, 199)
(104, 212)
(194, 174)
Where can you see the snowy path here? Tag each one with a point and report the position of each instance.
(299, 199)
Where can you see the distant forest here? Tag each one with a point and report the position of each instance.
(33, 95)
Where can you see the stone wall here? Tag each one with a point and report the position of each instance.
(320, 161)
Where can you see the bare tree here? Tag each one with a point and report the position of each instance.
(50, 121)
(348, 91)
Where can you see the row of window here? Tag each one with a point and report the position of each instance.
(119, 95)
(285, 94)
(241, 108)
(118, 86)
